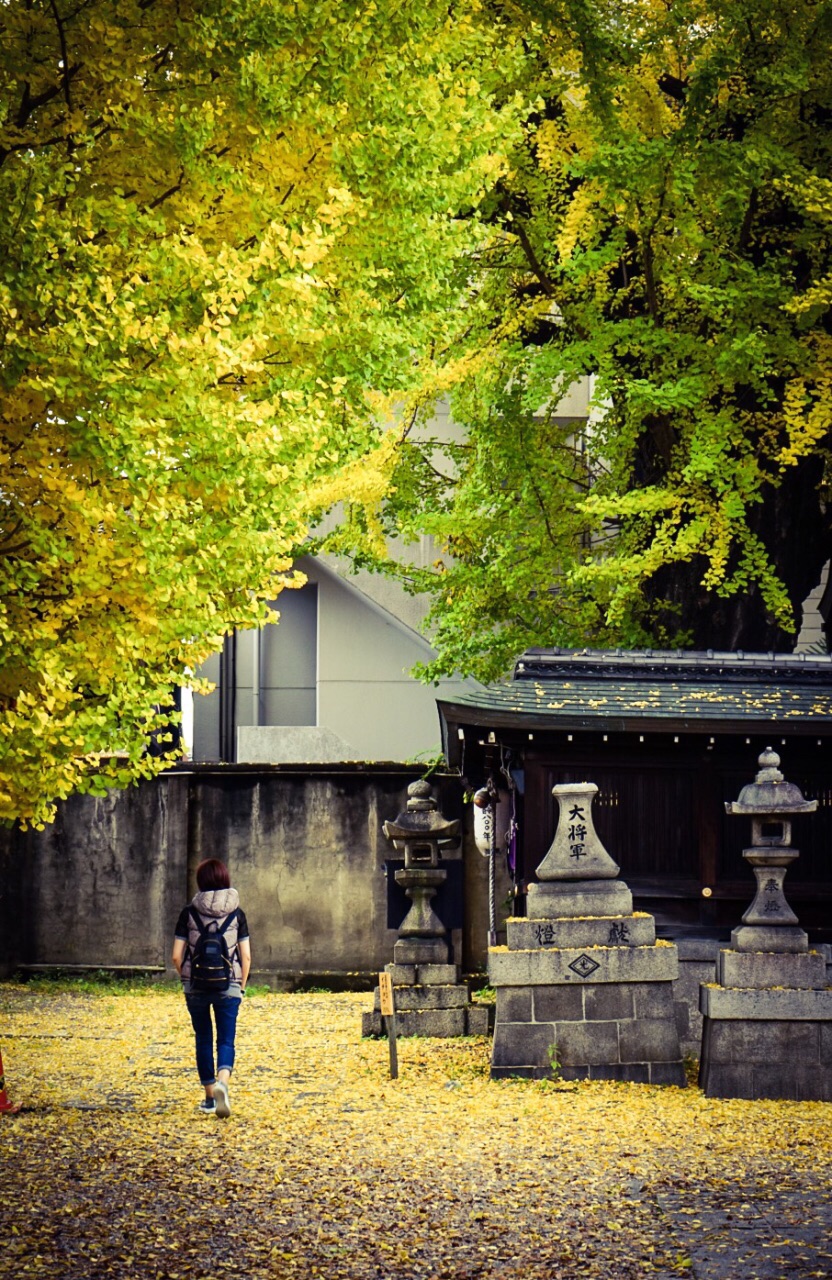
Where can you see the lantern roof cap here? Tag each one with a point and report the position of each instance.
(421, 818)
(769, 793)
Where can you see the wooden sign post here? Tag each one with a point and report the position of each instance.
(388, 1013)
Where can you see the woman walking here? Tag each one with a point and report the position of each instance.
(212, 955)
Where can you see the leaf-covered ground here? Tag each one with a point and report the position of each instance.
(328, 1168)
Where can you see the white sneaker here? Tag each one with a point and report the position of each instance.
(223, 1106)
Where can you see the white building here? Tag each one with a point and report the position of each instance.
(331, 681)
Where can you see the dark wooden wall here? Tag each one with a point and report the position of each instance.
(660, 812)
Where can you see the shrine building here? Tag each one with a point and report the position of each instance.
(668, 737)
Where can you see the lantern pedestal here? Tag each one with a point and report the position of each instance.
(767, 1029)
(583, 986)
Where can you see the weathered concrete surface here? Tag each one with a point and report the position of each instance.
(103, 886)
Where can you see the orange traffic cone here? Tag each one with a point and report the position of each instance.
(5, 1106)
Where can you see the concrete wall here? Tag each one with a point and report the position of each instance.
(103, 886)
(100, 885)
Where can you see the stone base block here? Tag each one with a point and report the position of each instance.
(426, 997)
(588, 1003)
(601, 931)
(775, 1005)
(644, 1050)
(420, 951)
(697, 965)
(760, 937)
(575, 965)
(767, 1059)
(593, 1000)
(428, 975)
(658, 1073)
(469, 1020)
(476, 1018)
(559, 899)
(598, 1030)
(761, 969)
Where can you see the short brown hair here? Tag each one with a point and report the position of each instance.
(212, 874)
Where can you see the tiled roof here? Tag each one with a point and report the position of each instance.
(621, 691)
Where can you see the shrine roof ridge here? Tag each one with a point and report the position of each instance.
(699, 665)
(647, 691)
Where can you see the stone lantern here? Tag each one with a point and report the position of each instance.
(770, 802)
(767, 1020)
(430, 1000)
(419, 832)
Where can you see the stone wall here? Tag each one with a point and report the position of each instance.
(102, 887)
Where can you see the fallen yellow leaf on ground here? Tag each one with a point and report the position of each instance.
(328, 1168)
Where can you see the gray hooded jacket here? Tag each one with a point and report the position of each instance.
(214, 905)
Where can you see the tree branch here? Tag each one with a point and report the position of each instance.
(171, 191)
(533, 260)
(64, 53)
(750, 213)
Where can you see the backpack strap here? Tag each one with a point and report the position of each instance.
(197, 919)
(205, 929)
(232, 916)
(229, 919)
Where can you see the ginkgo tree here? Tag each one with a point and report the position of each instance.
(665, 230)
(229, 231)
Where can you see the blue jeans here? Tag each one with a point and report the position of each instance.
(226, 1005)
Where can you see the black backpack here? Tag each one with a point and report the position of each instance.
(211, 967)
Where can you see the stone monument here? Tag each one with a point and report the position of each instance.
(767, 1028)
(583, 985)
(429, 998)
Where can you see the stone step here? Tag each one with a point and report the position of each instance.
(778, 1005)
(422, 974)
(557, 899)
(420, 951)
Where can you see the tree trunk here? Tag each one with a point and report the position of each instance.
(795, 530)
